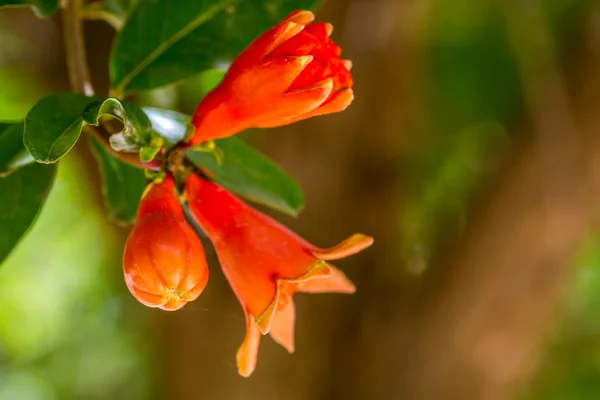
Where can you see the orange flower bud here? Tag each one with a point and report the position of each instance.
(265, 264)
(291, 72)
(164, 262)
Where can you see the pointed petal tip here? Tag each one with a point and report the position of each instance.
(303, 17)
(348, 64)
(282, 330)
(325, 84)
(247, 353)
(346, 97)
(290, 349)
(245, 369)
(270, 40)
(337, 102)
(348, 247)
(303, 61)
(329, 28)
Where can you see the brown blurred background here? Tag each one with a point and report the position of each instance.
(471, 154)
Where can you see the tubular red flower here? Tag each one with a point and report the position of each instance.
(291, 72)
(265, 264)
(163, 262)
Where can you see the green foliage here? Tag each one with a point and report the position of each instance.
(76, 336)
(181, 41)
(234, 164)
(43, 8)
(53, 126)
(12, 152)
(194, 37)
(137, 134)
(250, 174)
(122, 184)
(23, 194)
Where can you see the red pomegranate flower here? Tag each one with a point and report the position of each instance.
(164, 262)
(291, 72)
(265, 264)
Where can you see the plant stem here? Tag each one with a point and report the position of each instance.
(79, 77)
(75, 48)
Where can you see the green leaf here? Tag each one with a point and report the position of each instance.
(43, 8)
(171, 125)
(137, 134)
(53, 126)
(4, 125)
(23, 194)
(248, 173)
(164, 41)
(198, 86)
(12, 151)
(122, 184)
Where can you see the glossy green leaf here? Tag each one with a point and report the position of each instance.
(53, 126)
(137, 134)
(43, 8)
(171, 125)
(122, 184)
(12, 151)
(248, 173)
(23, 194)
(164, 41)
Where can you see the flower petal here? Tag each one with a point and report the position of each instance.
(319, 270)
(303, 17)
(297, 104)
(265, 320)
(248, 352)
(321, 30)
(282, 328)
(338, 102)
(268, 80)
(337, 282)
(245, 97)
(348, 247)
(285, 288)
(173, 304)
(265, 44)
(144, 297)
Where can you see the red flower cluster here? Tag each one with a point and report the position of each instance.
(291, 72)
(164, 261)
(265, 264)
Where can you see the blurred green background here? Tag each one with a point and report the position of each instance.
(470, 154)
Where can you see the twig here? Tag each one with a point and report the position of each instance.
(75, 48)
